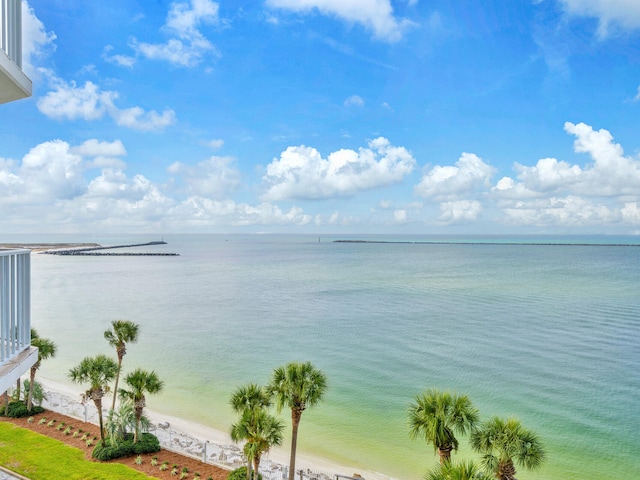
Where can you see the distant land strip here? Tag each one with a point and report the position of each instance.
(88, 249)
(435, 242)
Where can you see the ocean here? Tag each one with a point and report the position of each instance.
(543, 329)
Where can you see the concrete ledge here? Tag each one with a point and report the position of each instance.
(14, 84)
(11, 371)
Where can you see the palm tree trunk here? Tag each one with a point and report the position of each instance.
(256, 465)
(444, 452)
(115, 388)
(98, 403)
(18, 389)
(32, 380)
(295, 421)
(136, 433)
(506, 470)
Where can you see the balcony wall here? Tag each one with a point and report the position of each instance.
(17, 355)
(14, 84)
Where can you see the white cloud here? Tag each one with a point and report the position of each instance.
(71, 102)
(198, 211)
(459, 211)
(400, 216)
(36, 41)
(354, 101)
(469, 174)
(637, 97)
(188, 46)
(95, 148)
(623, 14)
(212, 178)
(375, 15)
(302, 173)
(48, 188)
(215, 144)
(117, 59)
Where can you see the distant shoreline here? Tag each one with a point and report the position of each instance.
(87, 249)
(41, 247)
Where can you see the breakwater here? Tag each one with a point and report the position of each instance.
(98, 251)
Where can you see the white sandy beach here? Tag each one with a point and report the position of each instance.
(214, 436)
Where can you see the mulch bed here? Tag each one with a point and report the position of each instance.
(205, 470)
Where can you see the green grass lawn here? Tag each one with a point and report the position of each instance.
(41, 458)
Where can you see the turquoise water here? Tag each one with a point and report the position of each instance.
(546, 333)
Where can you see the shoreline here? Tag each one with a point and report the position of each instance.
(213, 435)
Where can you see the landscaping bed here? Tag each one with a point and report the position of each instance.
(77, 434)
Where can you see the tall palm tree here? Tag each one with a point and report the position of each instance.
(121, 333)
(46, 350)
(457, 471)
(297, 386)
(438, 416)
(140, 382)
(260, 431)
(249, 401)
(98, 372)
(504, 443)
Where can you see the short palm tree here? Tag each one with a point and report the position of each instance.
(250, 402)
(438, 416)
(46, 350)
(457, 471)
(297, 386)
(140, 382)
(122, 332)
(98, 372)
(504, 443)
(260, 431)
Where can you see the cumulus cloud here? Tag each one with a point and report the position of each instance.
(554, 192)
(55, 184)
(213, 178)
(469, 174)
(302, 173)
(375, 15)
(68, 101)
(623, 14)
(459, 211)
(36, 40)
(187, 46)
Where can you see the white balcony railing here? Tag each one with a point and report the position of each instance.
(11, 30)
(16, 353)
(15, 305)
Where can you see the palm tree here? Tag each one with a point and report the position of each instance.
(98, 372)
(260, 431)
(297, 386)
(457, 471)
(122, 332)
(140, 382)
(250, 397)
(250, 401)
(46, 350)
(505, 442)
(438, 416)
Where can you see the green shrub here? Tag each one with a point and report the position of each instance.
(18, 409)
(148, 444)
(241, 474)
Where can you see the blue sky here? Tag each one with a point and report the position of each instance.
(326, 116)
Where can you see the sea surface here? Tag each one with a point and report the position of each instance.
(545, 329)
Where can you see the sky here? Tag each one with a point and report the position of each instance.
(325, 116)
